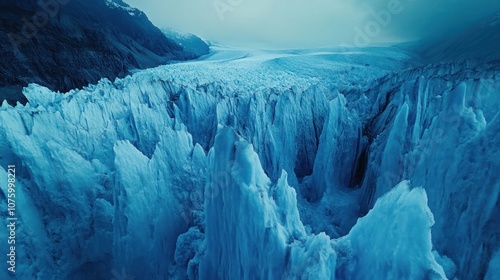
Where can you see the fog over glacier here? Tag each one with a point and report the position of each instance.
(313, 23)
(377, 161)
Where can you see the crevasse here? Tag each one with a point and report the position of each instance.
(247, 166)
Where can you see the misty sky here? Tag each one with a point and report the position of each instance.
(314, 23)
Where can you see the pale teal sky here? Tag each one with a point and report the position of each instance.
(313, 23)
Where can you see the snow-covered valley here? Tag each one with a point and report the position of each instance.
(298, 164)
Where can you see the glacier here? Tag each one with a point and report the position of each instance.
(244, 164)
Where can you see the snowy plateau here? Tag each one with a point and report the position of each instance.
(298, 164)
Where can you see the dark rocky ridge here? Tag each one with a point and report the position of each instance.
(188, 41)
(67, 44)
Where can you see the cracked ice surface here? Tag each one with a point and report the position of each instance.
(269, 165)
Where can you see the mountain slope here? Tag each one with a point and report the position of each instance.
(189, 42)
(479, 42)
(69, 44)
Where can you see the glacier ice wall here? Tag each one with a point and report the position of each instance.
(449, 142)
(393, 241)
(248, 166)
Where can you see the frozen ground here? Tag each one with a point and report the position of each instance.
(297, 164)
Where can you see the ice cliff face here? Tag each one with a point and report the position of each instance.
(268, 165)
(444, 127)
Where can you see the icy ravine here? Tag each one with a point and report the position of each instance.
(218, 167)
